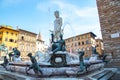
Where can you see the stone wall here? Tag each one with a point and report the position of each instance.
(109, 15)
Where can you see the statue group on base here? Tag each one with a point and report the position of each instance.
(59, 45)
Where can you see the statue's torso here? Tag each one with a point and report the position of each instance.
(57, 24)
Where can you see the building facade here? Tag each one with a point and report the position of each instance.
(9, 37)
(26, 42)
(81, 42)
(109, 15)
(40, 45)
(99, 46)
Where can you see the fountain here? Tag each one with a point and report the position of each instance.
(56, 62)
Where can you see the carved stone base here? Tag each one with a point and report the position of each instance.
(58, 60)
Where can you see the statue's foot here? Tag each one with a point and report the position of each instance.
(38, 75)
(80, 71)
(27, 73)
(6, 69)
(40, 72)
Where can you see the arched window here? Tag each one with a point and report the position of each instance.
(22, 37)
(79, 43)
(82, 42)
(11, 40)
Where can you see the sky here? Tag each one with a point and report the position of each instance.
(79, 16)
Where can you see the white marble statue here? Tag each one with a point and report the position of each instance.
(57, 26)
(4, 49)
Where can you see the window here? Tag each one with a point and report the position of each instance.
(22, 37)
(6, 39)
(0, 39)
(11, 40)
(11, 33)
(1, 32)
(97, 45)
(7, 32)
(79, 43)
(82, 42)
(78, 38)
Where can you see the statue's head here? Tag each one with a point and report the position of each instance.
(5, 57)
(14, 49)
(81, 53)
(56, 13)
(61, 36)
(29, 54)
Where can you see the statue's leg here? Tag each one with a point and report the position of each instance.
(82, 67)
(58, 35)
(36, 72)
(12, 58)
(57, 49)
(27, 71)
(53, 47)
(30, 67)
(5, 66)
(40, 71)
